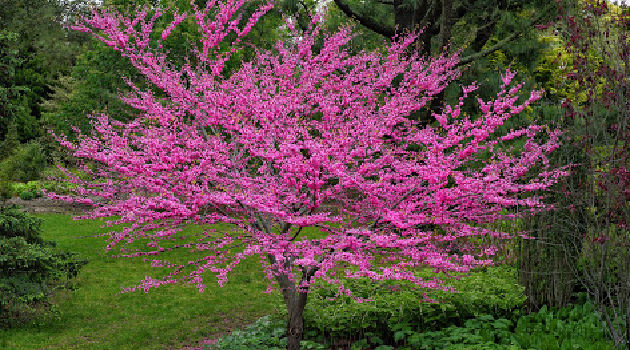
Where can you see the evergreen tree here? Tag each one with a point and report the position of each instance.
(35, 51)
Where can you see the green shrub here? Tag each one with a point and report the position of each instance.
(265, 334)
(30, 268)
(27, 195)
(17, 188)
(25, 164)
(28, 273)
(31, 189)
(394, 306)
(571, 328)
(15, 223)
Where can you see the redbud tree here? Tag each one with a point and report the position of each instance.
(305, 135)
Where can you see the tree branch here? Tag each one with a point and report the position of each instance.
(366, 21)
(204, 134)
(498, 46)
(502, 43)
(397, 203)
(484, 33)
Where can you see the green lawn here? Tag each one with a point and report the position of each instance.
(97, 316)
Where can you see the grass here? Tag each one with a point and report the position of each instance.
(95, 315)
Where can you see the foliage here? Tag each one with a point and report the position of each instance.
(97, 79)
(25, 164)
(391, 306)
(38, 50)
(14, 109)
(6, 192)
(10, 142)
(33, 187)
(576, 327)
(585, 241)
(28, 195)
(30, 268)
(264, 334)
(489, 35)
(16, 223)
(29, 273)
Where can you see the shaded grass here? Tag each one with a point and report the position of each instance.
(95, 315)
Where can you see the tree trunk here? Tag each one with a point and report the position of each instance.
(295, 323)
(405, 16)
(295, 300)
(446, 24)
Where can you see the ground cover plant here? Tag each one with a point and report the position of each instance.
(577, 327)
(393, 306)
(574, 327)
(263, 148)
(266, 333)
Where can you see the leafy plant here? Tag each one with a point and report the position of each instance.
(576, 327)
(33, 187)
(25, 164)
(393, 307)
(265, 334)
(30, 268)
(27, 195)
(15, 223)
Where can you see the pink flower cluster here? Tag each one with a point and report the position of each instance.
(306, 138)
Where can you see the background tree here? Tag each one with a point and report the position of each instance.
(14, 108)
(583, 246)
(493, 36)
(44, 51)
(265, 147)
(97, 77)
(442, 19)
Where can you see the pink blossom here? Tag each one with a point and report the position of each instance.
(301, 140)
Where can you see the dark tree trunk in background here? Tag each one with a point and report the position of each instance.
(404, 17)
(423, 15)
(446, 22)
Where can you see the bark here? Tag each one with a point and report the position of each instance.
(295, 301)
(405, 17)
(366, 21)
(446, 24)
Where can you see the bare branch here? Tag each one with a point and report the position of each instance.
(366, 21)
